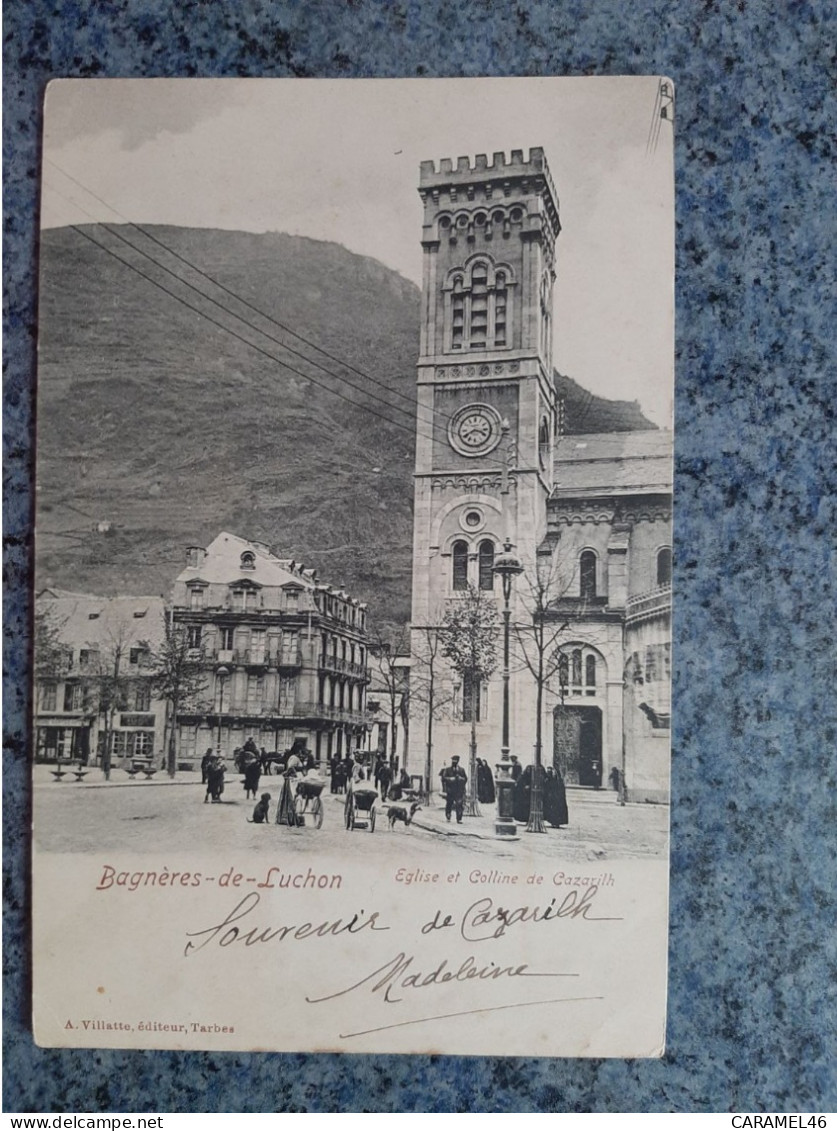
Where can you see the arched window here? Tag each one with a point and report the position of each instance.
(576, 667)
(248, 560)
(563, 671)
(590, 674)
(479, 306)
(500, 306)
(664, 566)
(457, 314)
(486, 560)
(460, 565)
(587, 571)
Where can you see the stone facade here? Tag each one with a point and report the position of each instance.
(95, 651)
(592, 512)
(285, 655)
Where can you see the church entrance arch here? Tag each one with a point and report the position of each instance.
(577, 744)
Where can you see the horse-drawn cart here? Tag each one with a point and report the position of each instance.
(360, 809)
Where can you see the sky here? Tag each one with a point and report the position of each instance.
(339, 160)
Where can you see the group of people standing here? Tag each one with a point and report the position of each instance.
(390, 782)
(213, 769)
(554, 795)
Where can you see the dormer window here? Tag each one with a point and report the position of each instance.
(248, 560)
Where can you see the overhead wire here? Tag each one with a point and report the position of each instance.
(415, 406)
(655, 115)
(219, 325)
(412, 429)
(185, 282)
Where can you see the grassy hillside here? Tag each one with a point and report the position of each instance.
(162, 428)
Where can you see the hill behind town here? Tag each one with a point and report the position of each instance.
(158, 425)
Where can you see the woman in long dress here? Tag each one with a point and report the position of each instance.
(286, 810)
(485, 783)
(555, 799)
(523, 795)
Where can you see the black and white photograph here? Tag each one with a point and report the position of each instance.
(353, 564)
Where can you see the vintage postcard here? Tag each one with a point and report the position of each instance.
(352, 707)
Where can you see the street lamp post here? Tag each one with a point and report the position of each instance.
(221, 675)
(508, 566)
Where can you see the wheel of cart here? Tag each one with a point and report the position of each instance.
(361, 809)
(308, 802)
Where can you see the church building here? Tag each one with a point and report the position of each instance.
(590, 513)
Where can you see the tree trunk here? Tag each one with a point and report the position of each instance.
(106, 747)
(535, 824)
(473, 802)
(428, 764)
(172, 751)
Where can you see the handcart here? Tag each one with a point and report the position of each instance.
(360, 809)
(308, 802)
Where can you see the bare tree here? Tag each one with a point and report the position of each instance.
(107, 683)
(177, 677)
(542, 591)
(430, 698)
(49, 652)
(468, 635)
(390, 646)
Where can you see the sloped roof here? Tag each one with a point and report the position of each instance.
(608, 462)
(222, 564)
(85, 620)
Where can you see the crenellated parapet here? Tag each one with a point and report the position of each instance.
(486, 183)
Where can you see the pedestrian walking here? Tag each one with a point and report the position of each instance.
(384, 780)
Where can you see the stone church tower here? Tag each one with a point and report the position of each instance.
(487, 411)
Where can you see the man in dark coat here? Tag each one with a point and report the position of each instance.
(252, 773)
(454, 780)
(384, 776)
(215, 779)
(516, 768)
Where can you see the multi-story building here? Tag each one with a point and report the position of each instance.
(285, 655)
(93, 677)
(591, 512)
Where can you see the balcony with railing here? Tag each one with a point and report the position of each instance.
(255, 657)
(336, 664)
(654, 602)
(311, 710)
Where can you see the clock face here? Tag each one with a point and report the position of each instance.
(474, 430)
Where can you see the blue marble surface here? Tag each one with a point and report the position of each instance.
(752, 971)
